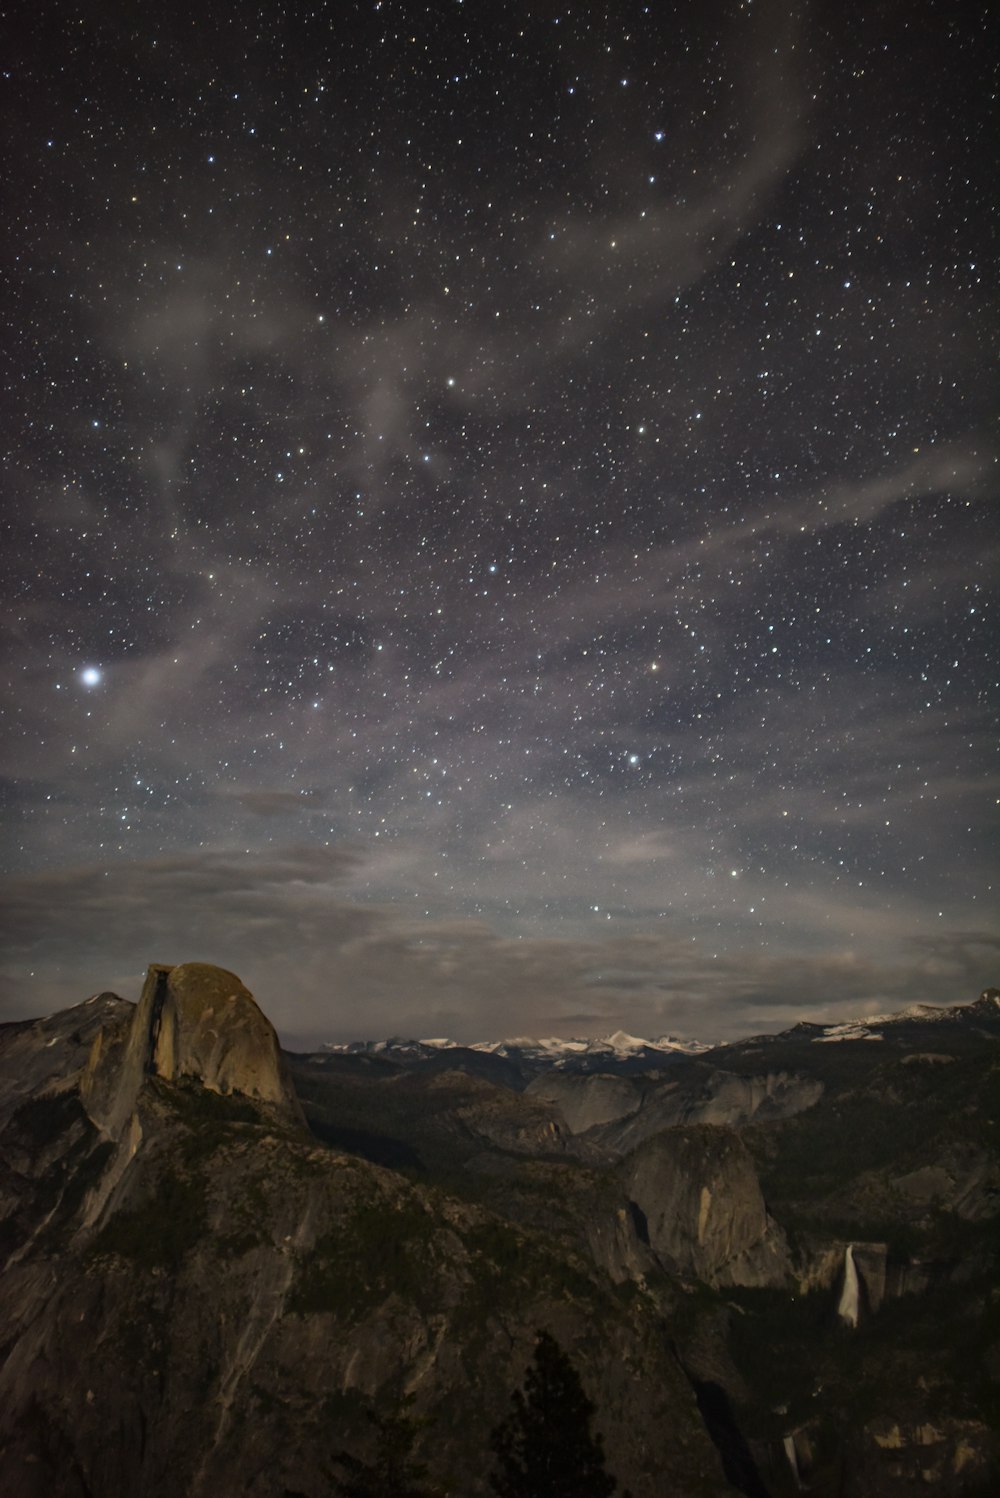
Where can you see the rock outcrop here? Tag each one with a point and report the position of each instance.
(618, 1113)
(825, 1268)
(195, 1022)
(587, 1100)
(51, 1054)
(183, 1266)
(196, 1298)
(705, 1215)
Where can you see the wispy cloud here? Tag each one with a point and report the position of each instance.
(326, 966)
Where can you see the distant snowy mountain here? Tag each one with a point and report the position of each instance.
(622, 1052)
(852, 1030)
(618, 1051)
(986, 1009)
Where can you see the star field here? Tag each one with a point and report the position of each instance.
(501, 512)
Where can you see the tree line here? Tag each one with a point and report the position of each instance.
(544, 1448)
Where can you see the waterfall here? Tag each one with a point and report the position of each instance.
(847, 1310)
(792, 1455)
(793, 1459)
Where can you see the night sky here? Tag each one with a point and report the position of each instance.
(500, 509)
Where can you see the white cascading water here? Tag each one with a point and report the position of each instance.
(793, 1458)
(847, 1310)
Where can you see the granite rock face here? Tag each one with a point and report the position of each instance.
(202, 1022)
(192, 1021)
(199, 1298)
(617, 1113)
(198, 1295)
(699, 1194)
(588, 1100)
(51, 1054)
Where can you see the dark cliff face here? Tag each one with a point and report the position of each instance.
(188, 1268)
(246, 1298)
(201, 1294)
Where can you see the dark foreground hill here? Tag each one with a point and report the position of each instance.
(774, 1267)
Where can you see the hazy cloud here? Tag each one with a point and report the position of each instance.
(326, 966)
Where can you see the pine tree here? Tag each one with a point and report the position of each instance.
(544, 1449)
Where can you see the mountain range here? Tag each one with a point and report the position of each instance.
(773, 1265)
(613, 1051)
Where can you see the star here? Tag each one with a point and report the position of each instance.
(470, 553)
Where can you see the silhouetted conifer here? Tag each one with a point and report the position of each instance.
(545, 1449)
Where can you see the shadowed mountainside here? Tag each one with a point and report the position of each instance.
(263, 1251)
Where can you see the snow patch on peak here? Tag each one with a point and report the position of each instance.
(549, 1045)
(546, 1046)
(630, 1052)
(689, 1047)
(852, 1030)
(912, 1011)
(621, 1042)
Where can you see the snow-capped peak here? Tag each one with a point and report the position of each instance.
(621, 1042)
(852, 1030)
(873, 1026)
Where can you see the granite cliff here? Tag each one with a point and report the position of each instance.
(705, 1215)
(774, 1265)
(195, 1022)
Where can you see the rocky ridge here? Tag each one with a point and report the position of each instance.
(231, 1228)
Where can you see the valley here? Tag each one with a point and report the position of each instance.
(773, 1264)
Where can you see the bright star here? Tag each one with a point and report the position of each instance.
(90, 676)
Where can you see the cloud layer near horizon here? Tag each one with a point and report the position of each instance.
(328, 967)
